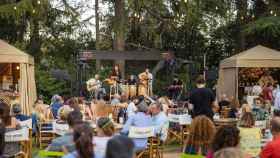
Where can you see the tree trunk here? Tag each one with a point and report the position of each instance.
(119, 26)
(97, 32)
(119, 30)
(241, 6)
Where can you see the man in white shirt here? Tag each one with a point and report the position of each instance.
(131, 108)
(159, 120)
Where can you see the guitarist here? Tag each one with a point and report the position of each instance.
(145, 85)
(94, 87)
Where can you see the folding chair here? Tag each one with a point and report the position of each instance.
(47, 154)
(28, 124)
(183, 121)
(45, 134)
(144, 133)
(21, 136)
(60, 129)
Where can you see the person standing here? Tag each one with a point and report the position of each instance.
(271, 150)
(202, 99)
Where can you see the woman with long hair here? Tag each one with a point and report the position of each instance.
(226, 136)
(249, 133)
(105, 130)
(202, 131)
(83, 142)
(11, 124)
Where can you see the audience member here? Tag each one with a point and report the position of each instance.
(131, 108)
(249, 133)
(202, 99)
(159, 120)
(57, 103)
(202, 131)
(17, 113)
(105, 131)
(140, 119)
(271, 150)
(65, 143)
(120, 147)
(229, 153)
(226, 136)
(82, 136)
(11, 124)
(224, 102)
(2, 139)
(115, 100)
(63, 113)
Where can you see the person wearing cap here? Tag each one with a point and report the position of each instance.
(17, 113)
(140, 119)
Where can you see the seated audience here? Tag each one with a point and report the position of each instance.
(65, 143)
(57, 103)
(202, 131)
(271, 150)
(115, 100)
(74, 104)
(131, 108)
(166, 103)
(159, 120)
(224, 102)
(2, 139)
(229, 153)
(120, 147)
(82, 137)
(105, 131)
(11, 124)
(17, 113)
(226, 136)
(234, 108)
(140, 119)
(249, 133)
(63, 113)
(259, 110)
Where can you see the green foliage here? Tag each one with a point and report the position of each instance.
(48, 86)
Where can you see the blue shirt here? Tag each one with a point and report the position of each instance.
(54, 108)
(64, 141)
(140, 119)
(161, 124)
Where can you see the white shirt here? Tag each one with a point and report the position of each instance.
(131, 109)
(257, 90)
(277, 101)
(100, 146)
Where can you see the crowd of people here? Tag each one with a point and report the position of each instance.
(105, 140)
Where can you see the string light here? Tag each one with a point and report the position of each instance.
(242, 18)
(15, 7)
(33, 11)
(271, 12)
(217, 8)
(253, 16)
(275, 14)
(39, 2)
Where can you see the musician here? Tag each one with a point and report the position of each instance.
(116, 77)
(131, 80)
(146, 83)
(94, 86)
(116, 73)
(175, 88)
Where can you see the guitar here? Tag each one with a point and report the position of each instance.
(93, 85)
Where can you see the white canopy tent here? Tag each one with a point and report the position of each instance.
(27, 86)
(257, 57)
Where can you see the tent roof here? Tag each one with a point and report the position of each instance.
(10, 54)
(258, 56)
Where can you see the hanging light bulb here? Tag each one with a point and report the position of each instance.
(15, 7)
(253, 16)
(17, 67)
(38, 2)
(33, 11)
(217, 8)
(275, 14)
(242, 18)
(271, 12)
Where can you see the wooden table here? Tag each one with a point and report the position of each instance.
(226, 121)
